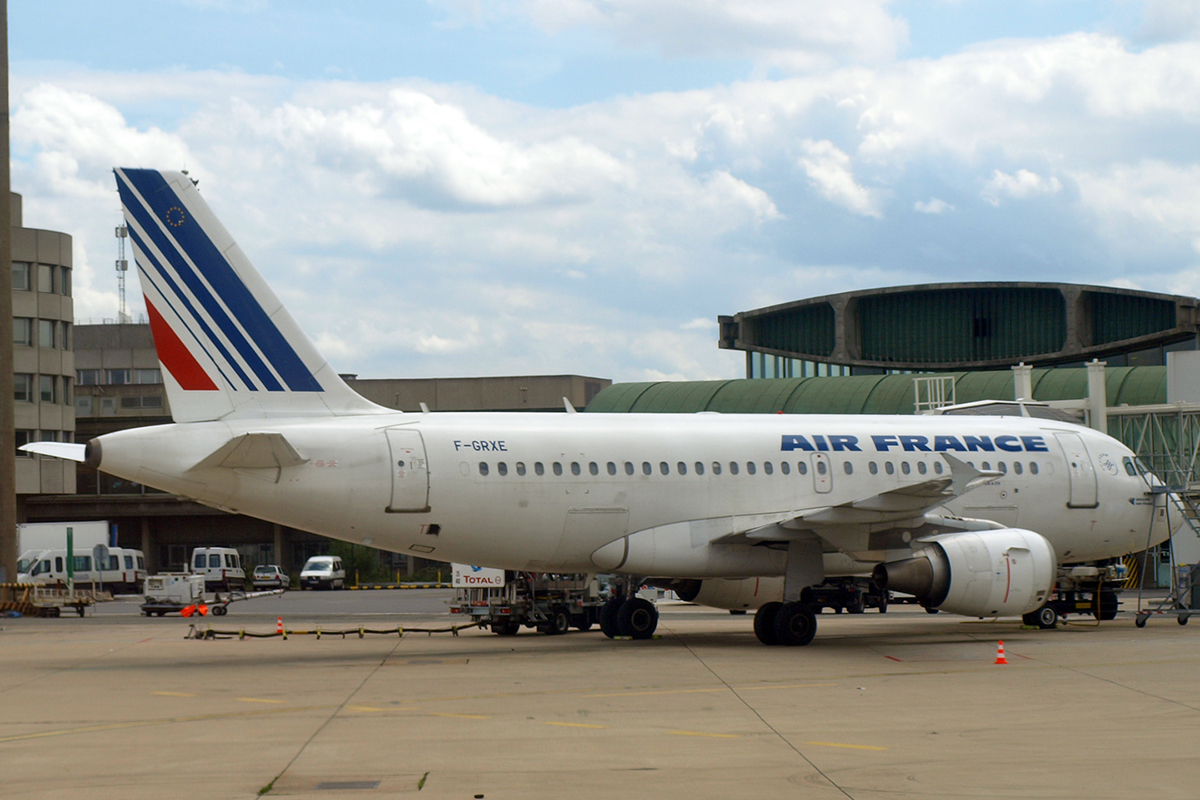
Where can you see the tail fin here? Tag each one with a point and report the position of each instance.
(227, 346)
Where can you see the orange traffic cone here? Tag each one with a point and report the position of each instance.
(1000, 659)
(279, 626)
(187, 611)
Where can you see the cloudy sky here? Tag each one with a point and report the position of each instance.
(464, 187)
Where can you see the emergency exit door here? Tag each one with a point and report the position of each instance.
(410, 472)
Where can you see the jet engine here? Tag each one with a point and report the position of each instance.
(977, 574)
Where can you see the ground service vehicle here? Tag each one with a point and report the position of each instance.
(220, 566)
(973, 515)
(551, 603)
(323, 572)
(122, 569)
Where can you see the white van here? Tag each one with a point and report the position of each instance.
(124, 570)
(220, 566)
(323, 572)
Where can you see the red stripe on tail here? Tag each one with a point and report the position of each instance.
(175, 356)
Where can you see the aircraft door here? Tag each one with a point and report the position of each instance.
(410, 471)
(1080, 470)
(822, 471)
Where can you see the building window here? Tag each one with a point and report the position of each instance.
(45, 274)
(21, 272)
(117, 377)
(23, 387)
(45, 333)
(87, 377)
(23, 331)
(66, 336)
(49, 436)
(24, 437)
(46, 387)
(147, 376)
(65, 282)
(83, 406)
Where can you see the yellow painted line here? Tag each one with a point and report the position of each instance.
(116, 726)
(258, 700)
(363, 708)
(457, 716)
(848, 746)
(708, 690)
(702, 733)
(174, 694)
(574, 725)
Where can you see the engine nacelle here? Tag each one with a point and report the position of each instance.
(977, 574)
(738, 594)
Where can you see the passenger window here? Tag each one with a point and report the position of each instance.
(802, 468)
(520, 467)
(594, 468)
(821, 468)
(987, 465)
(612, 468)
(848, 468)
(483, 468)
(1002, 467)
(1033, 468)
(889, 468)
(628, 467)
(905, 468)
(502, 468)
(872, 468)
(664, 468)
(937, 467)
(682, 468)
(750, 468)
(921, 467)
(1017, 468)
(716, 468)
(646, 470)
(699, 467)
(733, 468)
(538, 469)
(785, 468)
(557, 468)
(575, 468)
(768, 467)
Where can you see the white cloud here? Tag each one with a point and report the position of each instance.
(1022, 186)
(932, 206)
(829, 171)
(790, 34)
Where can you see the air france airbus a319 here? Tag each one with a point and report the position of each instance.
(978, 516)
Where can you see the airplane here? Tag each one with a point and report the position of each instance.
(979, 516)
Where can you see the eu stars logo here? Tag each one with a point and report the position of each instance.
(175, 216)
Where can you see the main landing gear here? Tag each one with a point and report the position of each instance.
(634, 617)
(792, 624)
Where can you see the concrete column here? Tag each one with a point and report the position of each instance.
(277, 529)
(147, 548)
(1097, 396)
(1022, 382)
(8, 444)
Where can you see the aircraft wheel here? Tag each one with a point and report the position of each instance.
(637, 618)
(795, 624)
(764, 622)
(1140, 621)
(506, 628)
(929, 610)
(608, 616)
(1045, 618)
(219, 611)
(856, 606)
(883, 602)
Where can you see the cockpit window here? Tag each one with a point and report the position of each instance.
(1129, 468)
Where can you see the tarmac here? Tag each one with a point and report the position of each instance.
(902, 705)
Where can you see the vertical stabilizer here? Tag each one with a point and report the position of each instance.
(227, 346)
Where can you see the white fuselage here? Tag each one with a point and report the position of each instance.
(545, 491)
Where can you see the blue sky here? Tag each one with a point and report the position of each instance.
(548, 186)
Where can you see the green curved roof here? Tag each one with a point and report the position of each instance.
(868, 394)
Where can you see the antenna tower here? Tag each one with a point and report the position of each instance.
(122, 267)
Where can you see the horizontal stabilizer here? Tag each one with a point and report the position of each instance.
(67, 450)
(254, 451)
